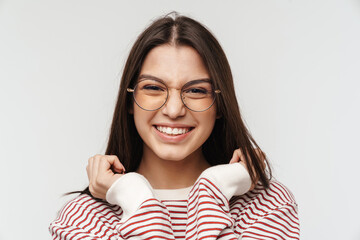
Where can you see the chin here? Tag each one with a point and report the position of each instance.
(171, 156)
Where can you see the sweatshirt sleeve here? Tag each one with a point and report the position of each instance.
(86, 218)
(208, 202)
(144, 216)
(280, 223)
(131, 212)
(270, 213)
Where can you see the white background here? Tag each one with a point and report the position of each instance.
(296, 69)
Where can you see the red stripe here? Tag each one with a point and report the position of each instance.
(72, 215)
(284, 191)
(152, 230)
(148, 225)
(179, 218)
(200, 183)
(284, 215)
(152, 205)
(176, 201)
(228, 234)
(92, 218)
(263, 207)
(199, 205)
(273, 227)
(63, 211)
(177, 212)
(131, 223)
(179, 224)
(81, 207)
(278, 193)
(203, 223)
(150, 212)
(278, 223)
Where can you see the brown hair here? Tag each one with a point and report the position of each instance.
(229, 132)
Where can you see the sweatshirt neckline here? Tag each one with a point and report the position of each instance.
(172, 194)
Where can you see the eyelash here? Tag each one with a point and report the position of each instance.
(198, 90)
(153, 87)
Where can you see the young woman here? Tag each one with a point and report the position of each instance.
(180, 163)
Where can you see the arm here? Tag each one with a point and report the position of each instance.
(261, 214)
(280, 223)
(208, 207)
(139, 215)
(86, 218)
(144, 216)
(266, 213)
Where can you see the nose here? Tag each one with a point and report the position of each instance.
(174, 107)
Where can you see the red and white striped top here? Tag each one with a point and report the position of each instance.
(211, 210)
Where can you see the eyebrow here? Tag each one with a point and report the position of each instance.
(147, 76)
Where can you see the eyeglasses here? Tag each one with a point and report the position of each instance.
(196, 95)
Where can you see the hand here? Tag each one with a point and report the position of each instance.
(238, 156)
(103, 171)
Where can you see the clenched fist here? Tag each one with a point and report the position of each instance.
(103, 171)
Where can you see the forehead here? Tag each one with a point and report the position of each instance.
(175, 65)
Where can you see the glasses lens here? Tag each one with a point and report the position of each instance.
(150, 94)
(198, 96)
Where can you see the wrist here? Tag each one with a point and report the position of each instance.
(231, 179)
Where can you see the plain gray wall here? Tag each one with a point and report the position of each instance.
(296, 69)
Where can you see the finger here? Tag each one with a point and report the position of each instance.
(242, 159)
(89, 168)
(116, 164)
(104, 165)
(234, 158)
(238, 156)
(87, 172)
(241, 155)
(95, 169)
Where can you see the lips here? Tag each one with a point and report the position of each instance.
(173, 131)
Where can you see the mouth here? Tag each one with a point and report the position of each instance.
(173, 131)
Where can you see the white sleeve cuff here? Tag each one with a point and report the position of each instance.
(232, 179)
(129, 192)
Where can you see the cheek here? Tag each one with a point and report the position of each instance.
(208, 121)
(142, 120)
(139, 120)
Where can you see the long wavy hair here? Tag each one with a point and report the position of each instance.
(229, 132)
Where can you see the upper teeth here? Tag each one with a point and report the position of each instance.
(169, 130)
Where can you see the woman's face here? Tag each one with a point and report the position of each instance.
(175, 66)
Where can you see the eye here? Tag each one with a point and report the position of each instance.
(196, 91)
(152, 88)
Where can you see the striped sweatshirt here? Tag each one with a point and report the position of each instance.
(217, 206)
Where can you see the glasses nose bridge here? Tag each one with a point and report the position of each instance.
(174, 92)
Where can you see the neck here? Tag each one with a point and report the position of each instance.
(172, 174)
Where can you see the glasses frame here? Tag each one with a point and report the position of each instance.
(216, 92)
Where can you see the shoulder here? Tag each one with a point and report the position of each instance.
(276, 196)
(268, 212)
(85, 212)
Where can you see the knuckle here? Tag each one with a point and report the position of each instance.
(114, 156)
(99, 181)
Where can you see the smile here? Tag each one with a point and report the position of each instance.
(173, 131)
